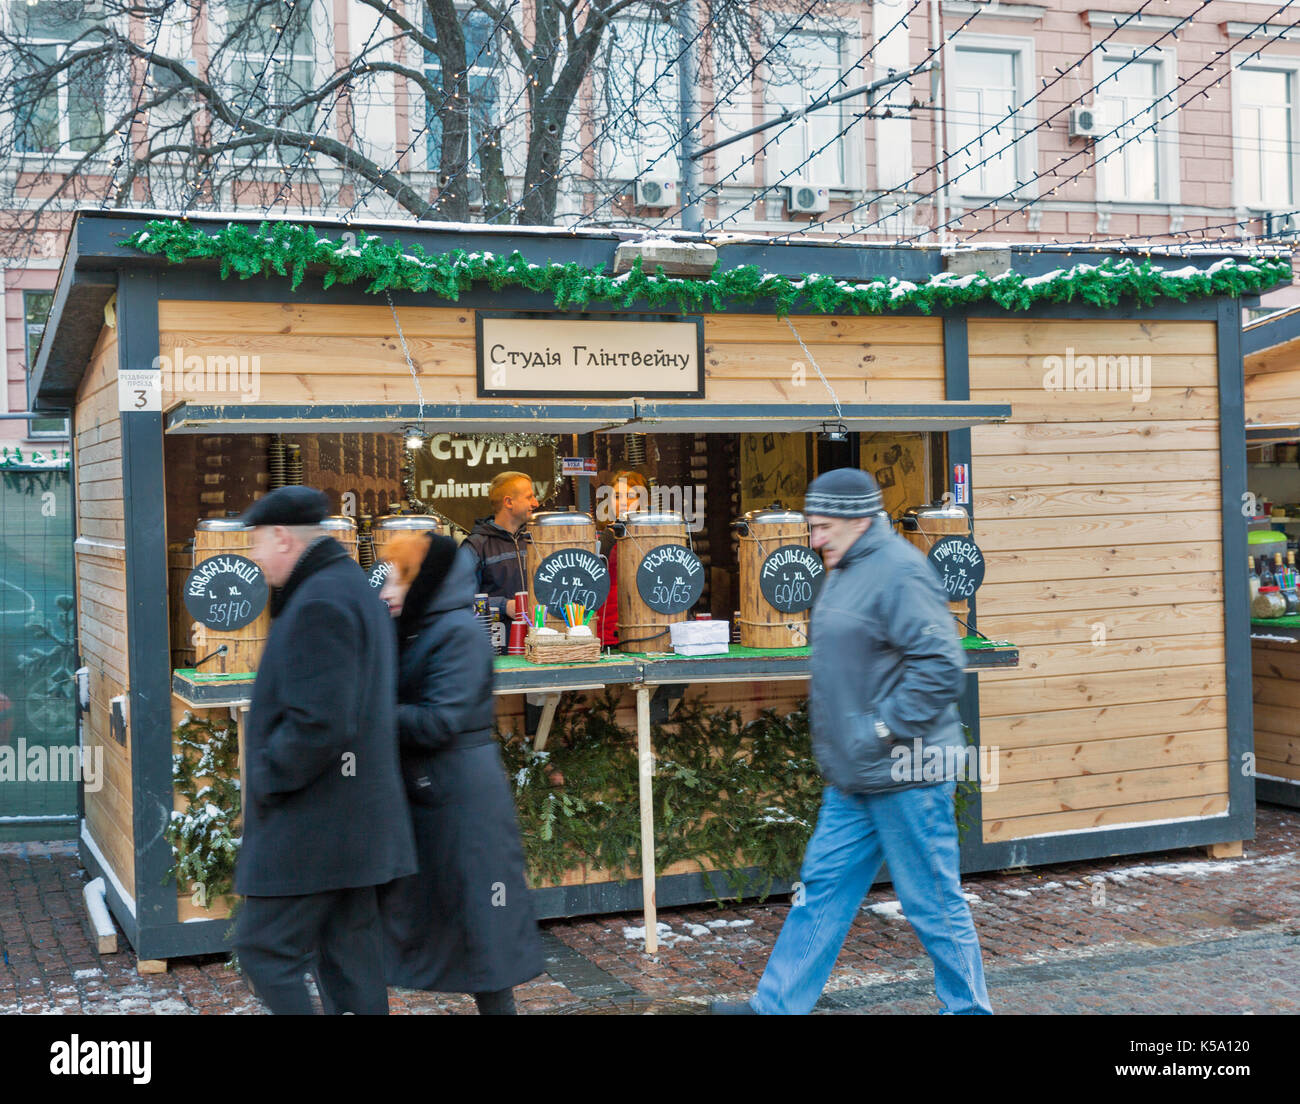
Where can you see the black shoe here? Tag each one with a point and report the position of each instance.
(731, 1008)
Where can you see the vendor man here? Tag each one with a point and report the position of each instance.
(498, 541)
(887, 668)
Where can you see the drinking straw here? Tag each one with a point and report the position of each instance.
(590, 615)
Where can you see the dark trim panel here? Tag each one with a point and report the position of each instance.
(1236, 604)
(148, 659)
(1278, 793)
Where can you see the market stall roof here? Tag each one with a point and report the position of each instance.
(1270, 338)
(98, 259)
(550, 418)
(1272, 344)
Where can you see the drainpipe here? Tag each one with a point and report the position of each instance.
(939, 121)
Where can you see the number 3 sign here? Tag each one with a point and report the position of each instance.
(139, 390)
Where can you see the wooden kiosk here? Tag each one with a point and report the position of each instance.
(1271, 352)
(1110, 517)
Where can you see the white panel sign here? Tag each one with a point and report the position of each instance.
(139, 389)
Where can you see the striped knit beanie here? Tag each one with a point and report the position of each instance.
(843, 492)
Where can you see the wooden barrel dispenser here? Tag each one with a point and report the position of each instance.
(217, 537)
(640, 628)
(180, 562)
(344, 530)
(762, 532)
(388, 526)
(924, 525)
(549, 532)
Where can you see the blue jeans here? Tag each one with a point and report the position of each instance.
(914, 831)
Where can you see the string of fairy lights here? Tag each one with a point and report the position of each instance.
(995, 128)
(779, 131)
(129, 125)
(344, 89)
(1028, 189)
(205, 177)
(697, 124)
(793, 173)
(557, 175)
(1134, 137)
(391, 171)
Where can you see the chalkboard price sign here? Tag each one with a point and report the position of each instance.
(670, 579)
(226, 593)
(379, 574)
(571, 575)
(791, 577)
(960, 564)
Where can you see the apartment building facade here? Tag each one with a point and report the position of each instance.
(1164, 124)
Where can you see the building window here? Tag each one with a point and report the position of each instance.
(271, 78)
(986, 86)
(809, 65)
(1133, 168)
(481, 57)
(639, 97)
(1264, 138)
(36, 309)
(63, 109)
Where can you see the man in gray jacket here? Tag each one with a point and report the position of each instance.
(887, 669)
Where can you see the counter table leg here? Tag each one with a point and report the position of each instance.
(645, 769)
(545, 721)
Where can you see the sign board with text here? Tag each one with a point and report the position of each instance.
(598, 356)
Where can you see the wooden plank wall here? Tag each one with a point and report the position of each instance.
(1275, 669)
(330, 353)
(1272, 387)
(1100, 513)
(101, 599)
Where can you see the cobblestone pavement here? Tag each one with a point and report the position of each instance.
(1164, 933)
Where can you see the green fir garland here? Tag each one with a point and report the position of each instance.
(58, 459)
(288, 249)
(721, 787)
(204, 844)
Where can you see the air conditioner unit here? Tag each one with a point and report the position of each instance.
(808, 199)
(656, 191)
(1088, 121)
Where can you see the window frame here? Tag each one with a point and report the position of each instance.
(852, 143)
(63, 94)
(320, 59)
(1022, 49)
(667, 88)
(1168, 166)
(1290, 66)
(29, 352)
(494, 71)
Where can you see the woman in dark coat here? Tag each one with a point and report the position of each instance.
(464, 923)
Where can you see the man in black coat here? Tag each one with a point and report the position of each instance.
(325, 816)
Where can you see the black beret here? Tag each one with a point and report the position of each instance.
(288, 506)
